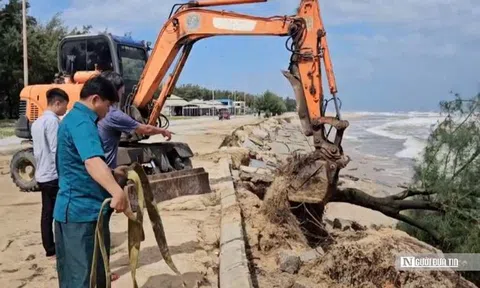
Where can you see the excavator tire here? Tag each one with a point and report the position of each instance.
(22, 170)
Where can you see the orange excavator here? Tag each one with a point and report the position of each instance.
(83, 55)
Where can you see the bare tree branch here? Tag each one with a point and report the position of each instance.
(390, 206)
(409, 193)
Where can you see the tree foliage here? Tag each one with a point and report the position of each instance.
(290, 104)
(191, 91)
(451, 167)
(271, 104)
(42, 42)
(43, 39)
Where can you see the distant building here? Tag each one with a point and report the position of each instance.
(198, 107)
(228, 103)
(239, 107)
(174, 106)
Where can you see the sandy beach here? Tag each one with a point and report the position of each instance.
(191, 223)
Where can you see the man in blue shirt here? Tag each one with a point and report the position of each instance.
(117, 122)
(111, 127)
(85, 182)
(44, 135)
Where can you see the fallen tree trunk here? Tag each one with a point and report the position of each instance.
(390, 206)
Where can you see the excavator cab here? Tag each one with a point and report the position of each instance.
(104, 52)
(78, 57)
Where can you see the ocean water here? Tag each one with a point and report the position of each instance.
(398, 138)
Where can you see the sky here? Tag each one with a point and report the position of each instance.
(396, 55)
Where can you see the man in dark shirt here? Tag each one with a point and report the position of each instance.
(85, 182)
(111, 127)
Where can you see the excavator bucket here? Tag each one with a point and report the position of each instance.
(171, 173)
(310, 178)
(301, 105)
(170, 185)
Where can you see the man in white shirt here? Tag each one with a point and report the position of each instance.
(44, 134)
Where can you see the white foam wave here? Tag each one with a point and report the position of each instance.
(395, 114)
(415, 132)
(349, 137)
(413, 148)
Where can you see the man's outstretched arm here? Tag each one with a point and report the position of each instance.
(152, 130)
(120, 121)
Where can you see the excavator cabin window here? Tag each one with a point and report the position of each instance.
(83, 54)
(132, 61)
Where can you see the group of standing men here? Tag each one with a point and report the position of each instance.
(75, 165)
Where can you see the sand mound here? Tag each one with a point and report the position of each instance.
(367, 259)
(355, 259)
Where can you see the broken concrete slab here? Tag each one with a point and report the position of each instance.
(312, 254)
(257, 178)
(260, 134)
(279, 148)
(288, 262)
(257, 163)
(249, 144)
(255, 171)
(248, 169)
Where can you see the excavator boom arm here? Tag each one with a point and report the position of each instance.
(307, 42)
(189, 25)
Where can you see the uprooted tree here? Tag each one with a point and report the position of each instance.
(441, 207)
(446, 185)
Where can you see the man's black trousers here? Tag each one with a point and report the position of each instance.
(49, 195)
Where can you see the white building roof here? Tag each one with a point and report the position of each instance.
(175, 101)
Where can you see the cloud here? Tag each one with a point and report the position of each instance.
(119, 15)
(420, 47)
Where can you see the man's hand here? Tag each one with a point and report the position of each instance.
(145, 129)
(119, 201)
(102, 174)
(167, 134)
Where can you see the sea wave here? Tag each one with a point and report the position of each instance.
(395, 114)
(413, 130)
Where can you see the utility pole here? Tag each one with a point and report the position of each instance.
(244, 103)
(235, 104)
(25, 53)
(213, 103)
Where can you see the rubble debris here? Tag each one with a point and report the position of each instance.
(279, 148)
(250, 145)
(288, 262)
(311, 254)
(277, 238)
(258, 164)
(343, 224)
(260, 134)
(256, 180)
